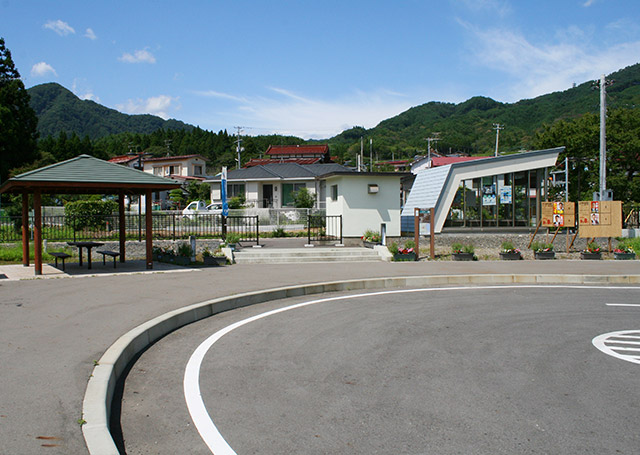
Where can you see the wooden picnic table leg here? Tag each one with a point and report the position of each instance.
(89, 257)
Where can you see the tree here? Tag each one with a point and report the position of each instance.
(303, 199)
(18, 121)
(581, 137)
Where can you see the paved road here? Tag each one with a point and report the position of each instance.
(52, 330)
(476, 371)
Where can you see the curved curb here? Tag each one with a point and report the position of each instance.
(96, 407)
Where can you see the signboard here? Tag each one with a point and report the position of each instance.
(424, 217)
(489, 195)
(558, 214)
(223, 192)
(505, 195)
(600, 218)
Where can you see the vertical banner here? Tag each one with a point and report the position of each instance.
(223, 192)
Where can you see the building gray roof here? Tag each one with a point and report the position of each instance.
(282, 171)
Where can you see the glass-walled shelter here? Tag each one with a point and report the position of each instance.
(504, 200)
(494, 192)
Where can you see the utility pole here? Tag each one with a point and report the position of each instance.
(370, 154)
(603, 136)
(238, 148)
(497, 127)
(435, 139)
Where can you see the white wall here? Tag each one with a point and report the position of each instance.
(361, 210)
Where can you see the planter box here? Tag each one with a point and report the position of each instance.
(404, 257)
(545, 255)
(180, 260)
(215, 260)
(510, 256)
(624, 256)
(590, 256)
(462, 256)
(370, 244)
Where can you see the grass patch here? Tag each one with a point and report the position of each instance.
(12, 254)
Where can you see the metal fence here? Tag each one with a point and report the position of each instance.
(165, 226)
(323, 228)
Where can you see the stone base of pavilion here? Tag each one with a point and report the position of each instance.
(72, 269)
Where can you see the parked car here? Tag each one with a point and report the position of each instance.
(215, 208)
(195, 208)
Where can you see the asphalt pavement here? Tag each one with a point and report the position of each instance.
(53, 330)
(483, 370)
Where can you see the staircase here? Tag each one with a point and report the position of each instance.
(316, 254)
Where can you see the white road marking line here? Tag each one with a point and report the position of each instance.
(191, 383)
(623, 304)
(602, 343)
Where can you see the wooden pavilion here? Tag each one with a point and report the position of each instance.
(84, 174)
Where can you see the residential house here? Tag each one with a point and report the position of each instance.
(272, 185)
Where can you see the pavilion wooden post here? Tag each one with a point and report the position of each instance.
(37, 232)
(122, 222)
(149, 228)
(25, 229)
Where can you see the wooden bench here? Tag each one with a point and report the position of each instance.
(113, 254)
(60, 255)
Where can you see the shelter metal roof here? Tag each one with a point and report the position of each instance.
(85, 174)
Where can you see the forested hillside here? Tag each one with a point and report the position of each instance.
(69, 126)
(58, 110)
(468, 126)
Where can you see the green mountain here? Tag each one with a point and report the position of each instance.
(58, 109)
(469, 126)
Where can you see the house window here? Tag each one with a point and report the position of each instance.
(157, 170)
(235, 189)
(334, 192)
(197, 170)
(287, 192)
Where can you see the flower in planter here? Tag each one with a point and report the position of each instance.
(458, 248)
(508, 247)
(371, 236)
(592, 247)
(206, 253)
(623, 247)
(539, 247)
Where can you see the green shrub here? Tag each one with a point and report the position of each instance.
(88, 214)
(393, 248)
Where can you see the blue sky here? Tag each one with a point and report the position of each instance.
(313, 68)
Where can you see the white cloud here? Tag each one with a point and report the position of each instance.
(588, 3)
(89, 33)
(140, 56)
(287, 112)
(60, 27)
(42, 69)
(501, 7)
(226, 96)
(82, 91)
(156, 105)
(543, 68)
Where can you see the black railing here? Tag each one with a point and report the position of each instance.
(323, 228)
(165, 226)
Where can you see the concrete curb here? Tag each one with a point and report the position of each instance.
(96, 407)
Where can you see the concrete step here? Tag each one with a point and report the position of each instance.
(292, 255)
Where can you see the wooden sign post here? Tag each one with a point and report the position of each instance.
(423, 218)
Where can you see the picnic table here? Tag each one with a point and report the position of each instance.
(88, 246)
